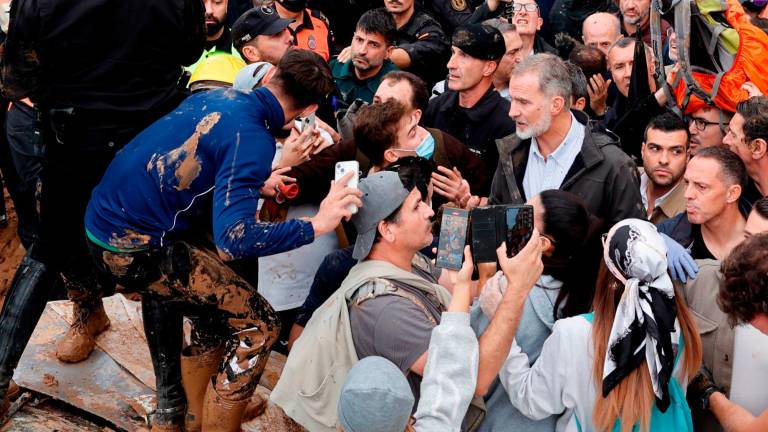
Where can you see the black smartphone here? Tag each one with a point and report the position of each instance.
(453, 238)
(488, 229)
(519, 228)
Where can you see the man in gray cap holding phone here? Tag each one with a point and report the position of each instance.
(389, 305)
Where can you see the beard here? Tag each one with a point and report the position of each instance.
(663, 182)
(212, 29)
(365, 64)
(536, 129)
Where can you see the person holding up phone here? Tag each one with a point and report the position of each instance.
(392, 279)
(571, 254)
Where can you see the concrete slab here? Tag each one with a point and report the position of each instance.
(98, 385)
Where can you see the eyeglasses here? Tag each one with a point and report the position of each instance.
(700, 123)
(529, 7)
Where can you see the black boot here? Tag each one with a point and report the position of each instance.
(23, 307)
(163, 328)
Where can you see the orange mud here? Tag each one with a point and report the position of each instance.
(11, 251)
(50, 380)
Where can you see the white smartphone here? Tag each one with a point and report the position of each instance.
(345, 167)
(307, 122)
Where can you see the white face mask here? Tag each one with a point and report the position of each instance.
(5, 16)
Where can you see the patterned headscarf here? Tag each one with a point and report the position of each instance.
(645, 326)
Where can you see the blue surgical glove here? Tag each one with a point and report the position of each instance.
(679, 260)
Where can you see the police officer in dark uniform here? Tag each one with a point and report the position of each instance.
(99, 72)
(471, 109)
(453, 13)
(420, 46)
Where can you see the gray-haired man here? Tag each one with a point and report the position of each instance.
(555, 148)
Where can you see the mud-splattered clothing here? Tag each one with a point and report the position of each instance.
(197, 278)
(217, 142)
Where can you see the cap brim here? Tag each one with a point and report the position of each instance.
(276, 27)
(363, 244)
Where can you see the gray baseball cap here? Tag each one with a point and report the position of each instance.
(375, 397)
(383, 193)
(251, 76)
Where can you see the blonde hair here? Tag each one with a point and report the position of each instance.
(631, 401)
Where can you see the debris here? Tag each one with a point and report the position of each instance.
(15, 406)
(50, 380)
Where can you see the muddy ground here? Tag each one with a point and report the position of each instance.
(42, 413)
(11, 251)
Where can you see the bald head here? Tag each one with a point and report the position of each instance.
(600, 30)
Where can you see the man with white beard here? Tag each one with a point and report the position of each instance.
(555, 148)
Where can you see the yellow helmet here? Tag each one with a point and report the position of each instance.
(220, 67)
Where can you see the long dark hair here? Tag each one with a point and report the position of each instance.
(577, 253)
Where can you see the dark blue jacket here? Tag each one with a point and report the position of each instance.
(217, 144)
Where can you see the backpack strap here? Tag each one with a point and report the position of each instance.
(379, 287)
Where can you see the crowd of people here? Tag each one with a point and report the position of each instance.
(191, 152)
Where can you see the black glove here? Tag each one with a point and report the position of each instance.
(702, 386)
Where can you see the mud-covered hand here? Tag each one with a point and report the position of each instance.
(524, 269)
(334, 207)
(702, 386)
(275, 181)
(679, 261)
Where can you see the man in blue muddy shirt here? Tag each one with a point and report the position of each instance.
(210, 157)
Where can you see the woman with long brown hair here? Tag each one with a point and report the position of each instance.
(620, 366)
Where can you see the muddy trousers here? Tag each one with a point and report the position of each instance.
(190, 278)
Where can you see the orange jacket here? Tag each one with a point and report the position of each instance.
(313, 34)
(748, 65)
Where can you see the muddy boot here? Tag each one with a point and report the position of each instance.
(221, 415)
(80, 340)
(196, 372)
(166, 428)
(11, 394)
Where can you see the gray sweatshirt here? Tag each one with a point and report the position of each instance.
(450, 376)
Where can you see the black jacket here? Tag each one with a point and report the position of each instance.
(540, 46)
(478, 128)
(424, 41)
(106, 55)
(602, 175)
(454, 13)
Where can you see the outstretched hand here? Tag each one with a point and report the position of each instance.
(524, 269)
(334, 207)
